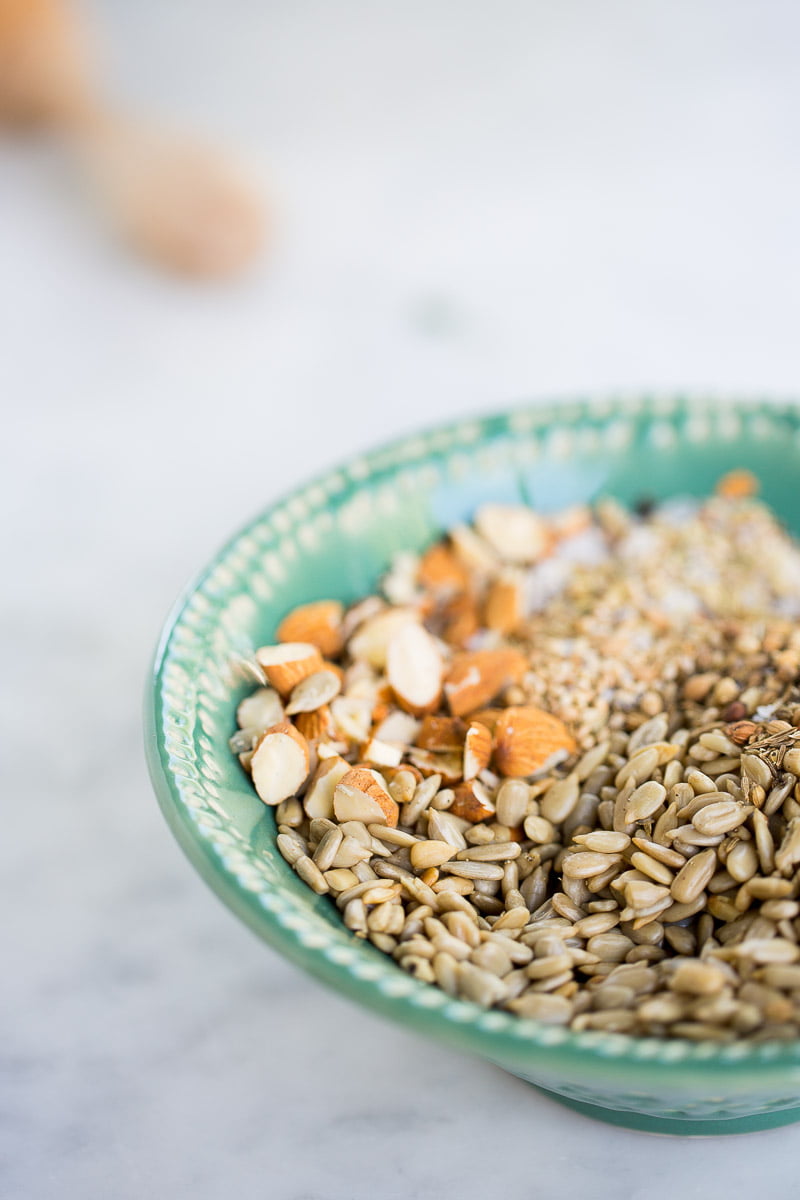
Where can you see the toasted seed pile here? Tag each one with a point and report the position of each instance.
(554, 767)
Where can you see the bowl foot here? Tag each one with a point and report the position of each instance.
(680, 1127)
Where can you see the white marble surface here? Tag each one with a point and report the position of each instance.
(474, 204)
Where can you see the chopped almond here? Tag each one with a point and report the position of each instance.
(382, 754)
(315, 725)
(384, 704)
(502, 609)
(516, 533)
(318, 800)
(472, 803)
(474, 551)
(570, 522)
(359, 796)
(477, 750)
(260, 710)
(286, 664)
(526, 737)
(449, 765)
(399, 728)
(352, 717)
(319, 623)
(737, 485)
(460, 619)
(369, 607)
(370, 642)
(314, 691)
(414, 668)
(441, 733)
(360, 682)
(331, 749)
(476, 677)
(488, 717)
(280, 763)
(441, 570)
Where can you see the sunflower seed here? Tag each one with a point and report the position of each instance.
(559, 800)
(645, 802)
(720, 818)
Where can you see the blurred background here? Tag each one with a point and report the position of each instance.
(464, 206)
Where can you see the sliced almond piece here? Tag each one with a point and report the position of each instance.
(352, 716)
(316, 725)
(337, 670)
(476, 677)
(526, 737)
(488, 717)
(449, 765)
(502, 609)
(384, 703)
(382, 754)
(474, 551)
(260, 710)
(286, 664)
(280, 763)
(441, 570)
(472, 802)
(737, 485)
(360, 682)
(414, 667)
(358, 796)
(399, 584)
(370, 643)
(319, 623)
(570, 521)
(516, 533)
(331, 749)
(460, 619)
(477, 750)
(314, 691)
(399, 728)
(245, 740)
(318, 800)
(441, 733)
(369, 607)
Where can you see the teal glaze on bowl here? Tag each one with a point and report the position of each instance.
(334, 537)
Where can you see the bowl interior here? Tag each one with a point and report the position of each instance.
(333, 538)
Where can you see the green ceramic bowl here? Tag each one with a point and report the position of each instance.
(334, 537)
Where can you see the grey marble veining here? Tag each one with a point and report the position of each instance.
(473, 205)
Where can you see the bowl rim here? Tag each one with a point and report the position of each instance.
(495, 1034)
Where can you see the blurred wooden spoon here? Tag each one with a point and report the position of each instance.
(44, 63)
(178, 203)
(184, 206)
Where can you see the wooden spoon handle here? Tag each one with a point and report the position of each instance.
(181, 204)
(45, 64)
